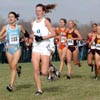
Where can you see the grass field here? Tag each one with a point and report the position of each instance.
(80, 87)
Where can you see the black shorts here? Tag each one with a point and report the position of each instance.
(72, 48)
(91, 51)
(97, 51)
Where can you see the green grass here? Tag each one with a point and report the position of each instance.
(80, 87)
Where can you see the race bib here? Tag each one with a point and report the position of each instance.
(98, 46)
(62, 33)
(63, 38)
(70, 42)
(93, 46)
(14, 39)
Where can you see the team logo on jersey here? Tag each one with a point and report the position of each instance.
(69, 36)
(98, 41)
(38, 31)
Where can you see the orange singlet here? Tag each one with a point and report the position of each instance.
(62, 37)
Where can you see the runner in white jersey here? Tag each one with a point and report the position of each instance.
(41, 51)
(52, 69)
(11, 34)
(40, 29)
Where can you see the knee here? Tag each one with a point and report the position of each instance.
(45, 73)
(36, 71)
(13, 66)
(98, 66)
(68, 61)
(63, 58)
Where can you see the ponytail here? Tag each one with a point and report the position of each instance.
(47, 8)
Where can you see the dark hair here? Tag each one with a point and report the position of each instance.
(65, 21)
(16, 15)
(46, 8)
(94, 24)
(48, 19)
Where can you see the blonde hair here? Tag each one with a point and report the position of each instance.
(74, 22)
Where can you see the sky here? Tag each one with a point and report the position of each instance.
(84, 11)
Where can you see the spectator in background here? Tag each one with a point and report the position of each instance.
(28, 47)
(80, 47)
(22, 44)
(85, 50)
(2, 50)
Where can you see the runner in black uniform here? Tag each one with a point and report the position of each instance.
(91, 50)
(96, 38)
(72, 36)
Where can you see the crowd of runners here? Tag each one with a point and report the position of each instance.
(43, 39)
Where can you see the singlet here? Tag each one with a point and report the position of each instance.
(97, 41)
(71, 42)
(93, 46)
(63, 34)
(56, 40)
(40, 29)
(51, 42)
(13, 36)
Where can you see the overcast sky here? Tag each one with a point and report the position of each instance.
(82, 10)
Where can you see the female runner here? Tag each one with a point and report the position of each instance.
(62, 36)
(72, 36)
(91, 50)
(41, 28)
(11, 34)
(52, 69)
(96, 38)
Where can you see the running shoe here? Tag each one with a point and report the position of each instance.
(79, 65)
(38, 93)
(95, 78)
(59, 75)
(50, 78)
(68, 77)
(9, 88)
(92, 68)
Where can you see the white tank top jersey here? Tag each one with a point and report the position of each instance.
(51, 41)
(40, 29)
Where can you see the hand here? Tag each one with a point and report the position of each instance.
(38, 38)
(26, 39)
(73, 39)
(2, 38)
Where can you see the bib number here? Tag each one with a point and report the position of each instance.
(98, 46)
(63, 39)
(14, 39)
(93, 46)
(70, 42)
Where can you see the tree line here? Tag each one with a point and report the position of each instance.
(84, 29)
